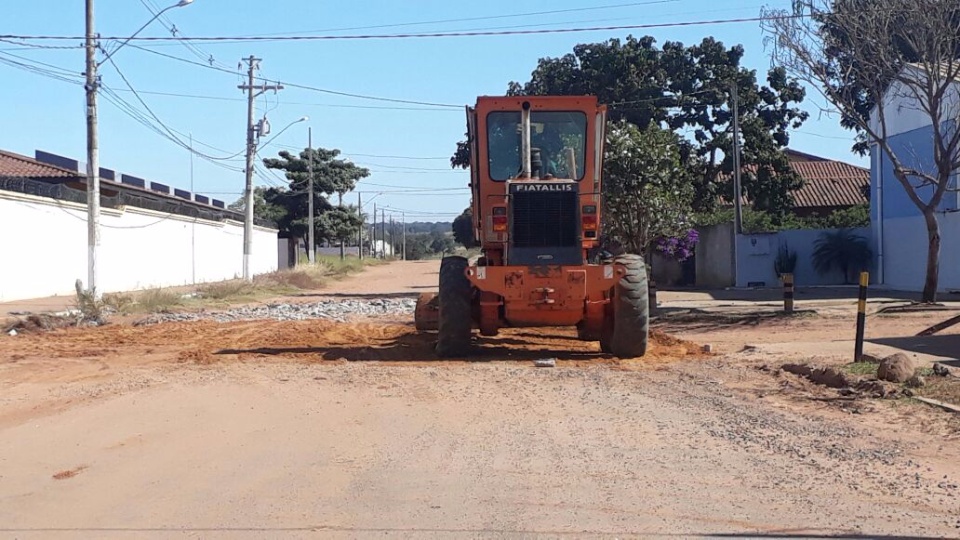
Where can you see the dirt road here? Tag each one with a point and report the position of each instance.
(308, 428)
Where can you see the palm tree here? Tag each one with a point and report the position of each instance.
(841, 250)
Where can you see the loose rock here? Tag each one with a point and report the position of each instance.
(896, 368)
(336, 310)
(917, 381)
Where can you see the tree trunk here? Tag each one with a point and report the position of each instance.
(933, 256)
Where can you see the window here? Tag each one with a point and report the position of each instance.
(559, 136)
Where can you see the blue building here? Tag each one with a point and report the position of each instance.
(899, 231)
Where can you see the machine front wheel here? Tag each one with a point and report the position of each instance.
(455, 320)
(626, 328)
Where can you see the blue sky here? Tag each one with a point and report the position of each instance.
(48, 114)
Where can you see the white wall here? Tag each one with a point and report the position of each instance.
(43, 248)
(903, 105)
(905, 252)
(757, 254)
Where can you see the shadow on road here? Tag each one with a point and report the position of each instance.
(945, 345)
(684, 320)
(415, 347)
(773, 294)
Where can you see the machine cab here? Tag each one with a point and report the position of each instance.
(535, 178)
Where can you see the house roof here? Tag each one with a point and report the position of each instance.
(17, 166)
(829, 184)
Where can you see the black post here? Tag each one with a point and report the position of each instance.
(861, 315)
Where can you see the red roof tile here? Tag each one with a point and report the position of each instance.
(831, 184)
(17, 166)
(826, 183)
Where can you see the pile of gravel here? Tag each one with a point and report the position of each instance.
(336, 310)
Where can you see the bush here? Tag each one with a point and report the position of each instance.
(786, 261)
(223, 290)
(154, 300)
(841, 250)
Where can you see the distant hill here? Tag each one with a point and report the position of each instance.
(429, 226)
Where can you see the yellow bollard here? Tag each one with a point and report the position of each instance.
(861, 315)
(788, 293)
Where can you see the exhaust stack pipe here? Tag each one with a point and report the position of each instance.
(525, 130)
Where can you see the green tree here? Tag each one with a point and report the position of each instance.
(687, 88)
(418, 246)
(331, 175)
(463, 229)
(645, 191)
(262, 209)
(339, 224)
(441, 243)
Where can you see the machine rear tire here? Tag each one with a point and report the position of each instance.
(456, 313)
(629, 332)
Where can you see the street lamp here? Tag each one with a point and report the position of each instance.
(93, 148)
(254, 139)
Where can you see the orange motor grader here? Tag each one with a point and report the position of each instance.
(535, 179)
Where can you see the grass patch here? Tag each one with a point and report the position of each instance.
(122, 303)
(303, 277)
(946, 389)
(864, 369)
(225, 290)
(154, 300)
(222, 293)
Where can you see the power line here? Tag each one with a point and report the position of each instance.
(307, 104)
(45, 47)
(425, 169)
(300, 86)
(473, 19)
(172, 136)
(267, 39)
(131, 111)
(396, 157)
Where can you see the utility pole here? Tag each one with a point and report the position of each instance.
(93, 157)
(193, 227)
(403, 224)
(360, 228)
(342, 241)
(312, 247)
(383, 231)
(737, 205)
(252, 139)
(373, 233)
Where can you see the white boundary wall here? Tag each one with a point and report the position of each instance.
(905, 253)
(43, 248)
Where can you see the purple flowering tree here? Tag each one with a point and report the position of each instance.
(680, 247)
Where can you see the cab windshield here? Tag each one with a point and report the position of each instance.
(560, 138)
